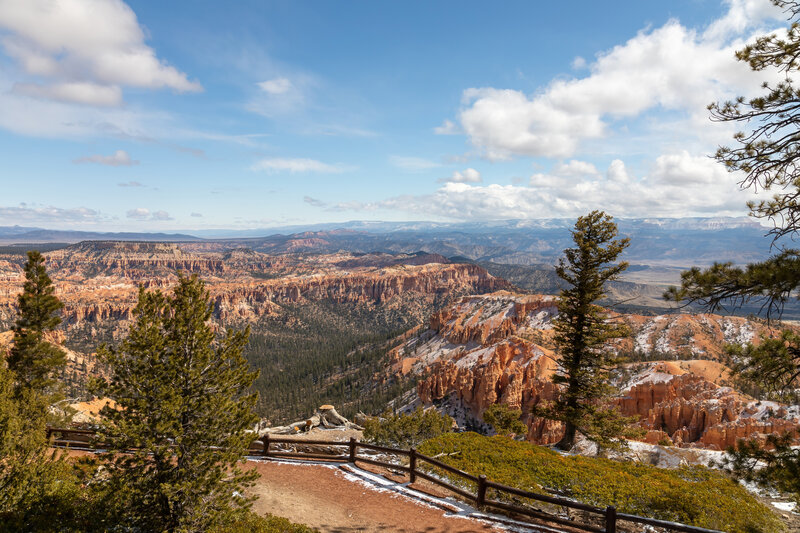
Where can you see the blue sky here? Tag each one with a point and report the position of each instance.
(199, 115)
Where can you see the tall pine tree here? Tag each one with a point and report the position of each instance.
(766, 155)
(32, 359)
(183, 410)
(582, 331)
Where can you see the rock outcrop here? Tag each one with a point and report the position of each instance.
(688, 409)
(98, 281)
(498, 348)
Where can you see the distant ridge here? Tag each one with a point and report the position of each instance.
(18, 234)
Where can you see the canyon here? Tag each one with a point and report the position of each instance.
(358, 329)
(316, 319)
(498, 348)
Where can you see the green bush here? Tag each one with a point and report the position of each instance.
(505, 420)
(407, 431)
(253, 523)
(692, 495)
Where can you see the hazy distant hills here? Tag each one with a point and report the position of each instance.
(654, 242)
(30, 235)
(661, 242)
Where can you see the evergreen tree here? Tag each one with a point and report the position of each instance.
(32, 359)
(38, 488)
(582, 331)
(183, 411)
(768, 156)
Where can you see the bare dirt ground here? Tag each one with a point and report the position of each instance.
(343, 499)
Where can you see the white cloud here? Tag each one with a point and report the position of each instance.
(470, 175)
(142, 213)
(26, 214)
(447, 128)
(413, 163)
(296, 165)
(669, 68)
(677, 185)
(575, 168)
(276, 86)
(280, 96)
(88, 48)
(76, 92)
(196, 215)
(617, 172)
(131, 184)
(120, 158)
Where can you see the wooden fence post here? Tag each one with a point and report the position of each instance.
(611, 519)
(352, 449)
(481, 498)
(266, 444)
(412, 455)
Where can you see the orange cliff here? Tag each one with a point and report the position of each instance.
(497, 348)
(98, 281)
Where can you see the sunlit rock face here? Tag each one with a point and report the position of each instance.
(498, 348)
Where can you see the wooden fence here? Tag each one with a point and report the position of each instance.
(416, 468)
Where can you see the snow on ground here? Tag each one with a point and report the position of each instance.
(642, 341)
(542, 320)
(394, 489)
(736, 332)
(785, 506)
(648, 375)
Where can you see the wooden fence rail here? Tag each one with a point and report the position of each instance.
(608, 516)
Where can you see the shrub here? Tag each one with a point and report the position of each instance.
(693, 495)
(505, 420)
(407, 430)
(253, 523)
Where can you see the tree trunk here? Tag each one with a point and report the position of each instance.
(568, 439)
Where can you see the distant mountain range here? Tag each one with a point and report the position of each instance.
(32, 235)
(659, 242)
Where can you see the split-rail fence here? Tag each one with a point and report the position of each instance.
(606, 519)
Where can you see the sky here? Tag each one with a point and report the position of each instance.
(179, 115)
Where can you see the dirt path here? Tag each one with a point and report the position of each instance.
(345, 499)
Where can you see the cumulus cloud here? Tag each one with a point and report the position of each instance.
(120, 158)
(413, 163)
(295, 166)
(676, 185)
(314, 202)
(575, 168)
(87, 49)
(142, 213)
(470, 175)
(671, 68)
(196, 215)
(26, 214)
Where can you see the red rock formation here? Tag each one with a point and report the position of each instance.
(689, 409)
(98, 281)
(498, 348)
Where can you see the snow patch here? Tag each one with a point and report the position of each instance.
(785, 506)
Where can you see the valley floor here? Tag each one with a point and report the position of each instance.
(335, 498)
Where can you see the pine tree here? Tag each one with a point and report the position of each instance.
(32, 359)
(183, 411)
(767, 156)
(582, 331)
